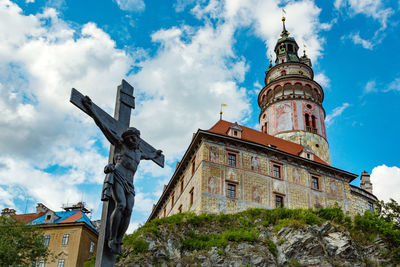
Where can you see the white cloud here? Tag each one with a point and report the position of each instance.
(179, 90)
(264, 17)
(133, 226)
(29, 1)
(322, 79)
(330, 118)
(370, 8)
(394, 85)
(386, 182)
(131, 5)
(358, 40)
(41, 59)
(370, 87)
(182, 87)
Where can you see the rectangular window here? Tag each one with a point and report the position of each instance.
(182, 186)
(91, 248)
(165, 212)
(191, 196)
(278, 201)
(276, 171)
(40, 264)
(65, 240)
(193, 165)
(232, 159)
(315, 182)
(172, 199)
(231, 190)
(180, 209)
(46, 240)
(61, 263)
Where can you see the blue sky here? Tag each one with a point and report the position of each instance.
(184, 59)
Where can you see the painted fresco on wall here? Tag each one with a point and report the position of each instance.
(333, 187)
(255, 163)
(231, 175)
(256, 195)
(279, 187)
(214, 155)
(283, 117)
(213, 185)
(317, 201)
(296, 174)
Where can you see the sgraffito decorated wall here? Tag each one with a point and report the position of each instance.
(255, 184)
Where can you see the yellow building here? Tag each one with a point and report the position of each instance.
(230, 168)
(69, 234)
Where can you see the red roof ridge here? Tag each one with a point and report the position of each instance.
(73, 218)
(249, 134)
(28, 217)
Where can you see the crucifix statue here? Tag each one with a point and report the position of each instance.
(126, 152)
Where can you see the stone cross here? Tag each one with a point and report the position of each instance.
(114, 128)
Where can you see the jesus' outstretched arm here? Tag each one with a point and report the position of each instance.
(112, 137)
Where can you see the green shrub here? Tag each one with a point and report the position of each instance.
(240, 235)
(334, 213)
(294, 263)
(272, 247)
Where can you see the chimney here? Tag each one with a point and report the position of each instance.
(366, 182)
(7, 211)
(41, 208)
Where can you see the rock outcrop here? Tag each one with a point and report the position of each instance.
(252, 242)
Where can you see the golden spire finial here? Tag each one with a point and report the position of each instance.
(284, 31)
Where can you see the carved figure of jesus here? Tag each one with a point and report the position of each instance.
(118, 183)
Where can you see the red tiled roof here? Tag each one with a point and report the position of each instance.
(72, 218)
(25, 218)
(248, 134)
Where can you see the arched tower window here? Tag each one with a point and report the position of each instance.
(283, 73)
(307, 120)
(314, 124)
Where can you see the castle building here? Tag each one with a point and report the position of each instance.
(230, 167)
(69, 234)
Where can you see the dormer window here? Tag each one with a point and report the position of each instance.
(307, 153)
(48, 217)
(235, 130)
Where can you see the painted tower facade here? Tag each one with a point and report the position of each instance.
(291, 101)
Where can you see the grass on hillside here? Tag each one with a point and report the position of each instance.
(205, 231)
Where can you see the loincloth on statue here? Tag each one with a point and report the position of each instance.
(114, 176)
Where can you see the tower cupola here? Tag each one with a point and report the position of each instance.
(286, 48)
(291, 101)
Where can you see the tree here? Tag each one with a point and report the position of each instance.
(389, 211)
(20, 244)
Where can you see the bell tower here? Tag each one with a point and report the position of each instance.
(291, 101)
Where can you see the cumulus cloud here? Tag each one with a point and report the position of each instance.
(386, 182)
(336, 112)
(41, 59)
(356, 38)
(131, 5)
(370, 87)
(370, 8)
(394, 85)
(323, 80)
(178, 90)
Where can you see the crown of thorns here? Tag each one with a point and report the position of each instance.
(131, 131)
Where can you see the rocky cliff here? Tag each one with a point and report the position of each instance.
(258, 237)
